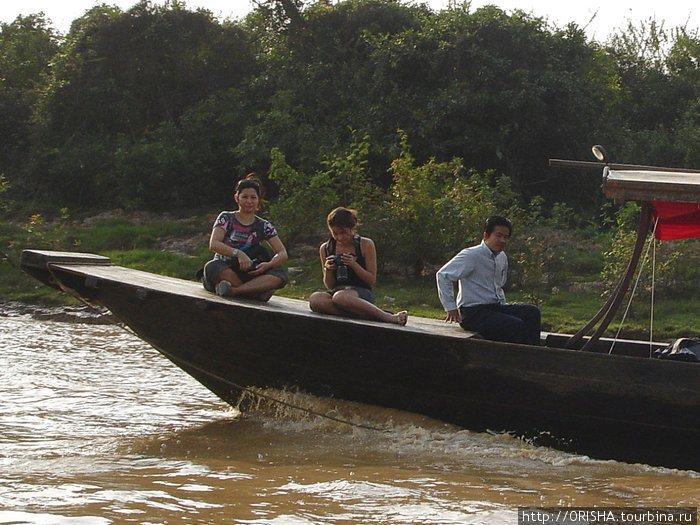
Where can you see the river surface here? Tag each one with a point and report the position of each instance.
(96, 428)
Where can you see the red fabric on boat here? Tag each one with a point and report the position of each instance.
(677, 220)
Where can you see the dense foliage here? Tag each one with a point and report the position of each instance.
(161, 107)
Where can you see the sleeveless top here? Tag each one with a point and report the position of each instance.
(353, 279)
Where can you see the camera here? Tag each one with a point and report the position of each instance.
(341, 271)
(254, 264)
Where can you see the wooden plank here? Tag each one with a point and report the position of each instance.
(196, 291)
(40, 258)
(652, 186)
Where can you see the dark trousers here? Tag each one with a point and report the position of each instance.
(511, 323)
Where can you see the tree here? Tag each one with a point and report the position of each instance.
(119, 78)
(316, 84)
(128, 72)
(138, 107)
(659, 85)
(27, 46)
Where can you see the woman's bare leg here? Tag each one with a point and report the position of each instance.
(261, 287)
(322, 303)
(228, 275)
(350, 301)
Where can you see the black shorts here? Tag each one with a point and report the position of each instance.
(214, 267)
(364, 293)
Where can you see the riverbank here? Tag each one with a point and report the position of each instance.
(64, 313)
(178, 247)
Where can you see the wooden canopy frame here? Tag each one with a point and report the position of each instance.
(643, 184)
(609, 309)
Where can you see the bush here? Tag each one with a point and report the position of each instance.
(666, 266)
(437, 209)
(304, 201)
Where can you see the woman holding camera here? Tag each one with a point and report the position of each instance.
(241, 265)
(349, 264)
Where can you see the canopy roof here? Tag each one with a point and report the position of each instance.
(674, 196)
(641, 185)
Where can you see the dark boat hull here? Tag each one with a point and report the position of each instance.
(607, 406)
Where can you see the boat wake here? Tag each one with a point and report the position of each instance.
(407, 434)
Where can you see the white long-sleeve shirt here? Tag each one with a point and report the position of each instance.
(480, 274)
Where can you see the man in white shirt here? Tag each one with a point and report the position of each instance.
(481, 272)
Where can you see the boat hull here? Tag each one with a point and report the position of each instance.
(606, 406)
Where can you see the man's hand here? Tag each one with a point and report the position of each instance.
(453, 316)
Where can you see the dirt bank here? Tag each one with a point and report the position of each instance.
(65, 314)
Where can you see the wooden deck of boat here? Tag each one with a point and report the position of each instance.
(101, 268)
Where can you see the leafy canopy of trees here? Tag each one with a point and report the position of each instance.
(161, 107)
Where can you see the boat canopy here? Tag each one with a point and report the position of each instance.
(673, 195)
(676, 220)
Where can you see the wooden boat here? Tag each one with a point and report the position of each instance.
(626, 405)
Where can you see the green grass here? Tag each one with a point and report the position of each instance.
(163, 263)
(15, 285)
(567, 312)
(583, 262)
(118, 234)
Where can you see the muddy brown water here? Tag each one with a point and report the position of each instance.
(97, 428)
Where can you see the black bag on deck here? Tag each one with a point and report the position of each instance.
(683, 349)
